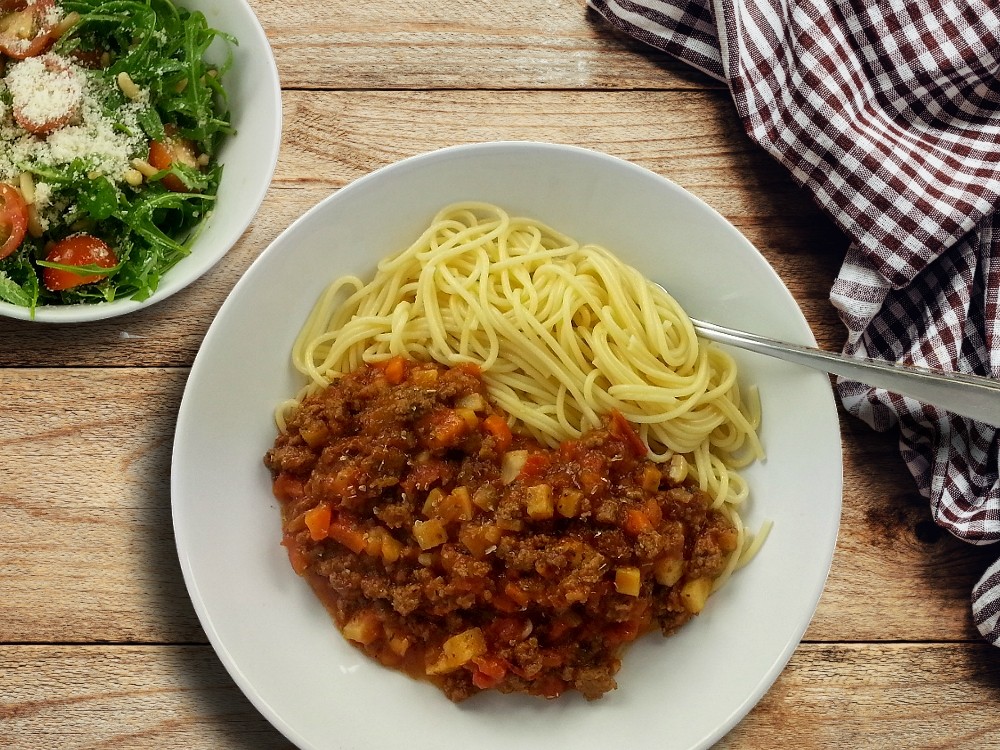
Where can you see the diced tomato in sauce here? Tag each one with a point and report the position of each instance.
(477, 580)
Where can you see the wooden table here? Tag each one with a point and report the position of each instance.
(99, 644)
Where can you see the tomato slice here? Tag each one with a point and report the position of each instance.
(77, 250)
(26, 27)
(162, 155)
(53, 80)
(13, 219)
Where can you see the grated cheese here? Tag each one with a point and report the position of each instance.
(45, 89)
(51, 16)
(102, 144)
(43, 203)
(52, 88)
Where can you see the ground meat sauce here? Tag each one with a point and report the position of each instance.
(448, 548)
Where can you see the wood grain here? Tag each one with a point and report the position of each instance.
(332, 138)
(99, 643)
(828, 696)
(125, 698)
(463, 44)
(97, 520)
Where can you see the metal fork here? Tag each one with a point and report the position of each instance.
(971, 396)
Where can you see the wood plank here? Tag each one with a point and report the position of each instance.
(692, 138)
(879, 696)
(461, 45)
(125, 697)
(893, 565)
(857, 696)
(333, 138)
(87, 553)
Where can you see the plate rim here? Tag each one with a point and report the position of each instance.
(293, 734)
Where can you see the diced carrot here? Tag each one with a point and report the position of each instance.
(653, 512)
(621, 428)
(488, 672)
(448, 428)
(627, 631)
(636, 522)
(318, 522)
(287, 487)
(497, 426)
(349, 536)
(470, 368)
(395, 370)
(518, 595)
(508, 631)
(535, 465)
(550, 686)
(423, 476)
(315, 434)
(479, 539)
(503, 603)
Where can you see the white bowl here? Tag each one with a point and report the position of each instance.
(272, 633)
(249, 157)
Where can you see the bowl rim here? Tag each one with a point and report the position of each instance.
(254, 197)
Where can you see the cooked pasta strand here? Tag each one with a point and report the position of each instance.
(563, 333)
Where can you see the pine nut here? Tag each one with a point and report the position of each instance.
(68, 21)
(133, 177)
(143, 166)
(35, 228)
(27, 185)
(127, 85)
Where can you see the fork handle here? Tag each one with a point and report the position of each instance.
(972, 396)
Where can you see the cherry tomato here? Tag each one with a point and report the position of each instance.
(77, 250)
(59, 76)
(26, 27)
(13, 219)
(92, 59)
(162, 154)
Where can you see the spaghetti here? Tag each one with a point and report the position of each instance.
(562, 332)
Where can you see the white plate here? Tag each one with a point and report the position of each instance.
(269, 629)
(250, 158)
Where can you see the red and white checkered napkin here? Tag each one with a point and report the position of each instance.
(888, 113)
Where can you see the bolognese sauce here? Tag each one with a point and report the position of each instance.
(452, 549)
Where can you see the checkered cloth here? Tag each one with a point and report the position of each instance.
(888, 114)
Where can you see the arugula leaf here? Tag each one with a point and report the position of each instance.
(162, 47)
(12, 292)
(98, 198)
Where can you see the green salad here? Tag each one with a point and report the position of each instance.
(110, 125)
